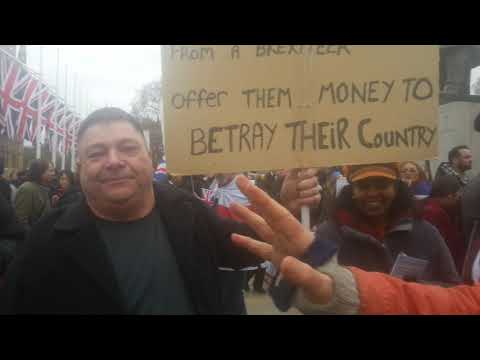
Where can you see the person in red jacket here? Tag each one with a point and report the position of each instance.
(442, 210)
(336, 289)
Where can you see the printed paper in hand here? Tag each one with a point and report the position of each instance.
(408, 267)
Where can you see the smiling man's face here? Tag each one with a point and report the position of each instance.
(114, 164)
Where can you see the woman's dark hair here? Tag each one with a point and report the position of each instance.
(70, 175)
(37, 169)
(404, 201)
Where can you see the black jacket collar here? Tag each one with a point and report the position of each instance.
(79, 215)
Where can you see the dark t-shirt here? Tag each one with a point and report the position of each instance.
(145, 266)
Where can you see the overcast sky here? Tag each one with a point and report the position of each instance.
(108, 74)
(474, 74)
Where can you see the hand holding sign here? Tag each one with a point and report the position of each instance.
(282, 233)
(300, 188)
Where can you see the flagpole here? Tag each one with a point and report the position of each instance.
(55, 125)
(75, 106)
(85, 103)
(40, 103)
(65, 111)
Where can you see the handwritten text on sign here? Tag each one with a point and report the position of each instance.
(260, 107)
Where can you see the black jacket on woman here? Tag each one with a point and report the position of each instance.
(413, 237)
(370, 249)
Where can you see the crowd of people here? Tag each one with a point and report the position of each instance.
(26, 196)
(119, 237)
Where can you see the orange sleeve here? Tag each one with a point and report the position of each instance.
(383, 294)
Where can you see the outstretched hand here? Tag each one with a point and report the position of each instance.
(284, 240)
(317, 287)
(280, 231)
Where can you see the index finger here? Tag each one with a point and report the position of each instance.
(279, 218)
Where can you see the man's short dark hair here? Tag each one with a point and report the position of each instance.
(108, 115)
(455, 152)
(36, 170)
(445, 185)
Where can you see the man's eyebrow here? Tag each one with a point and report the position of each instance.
(95, 147)
(124, 141)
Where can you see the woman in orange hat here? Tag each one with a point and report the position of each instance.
(323, 284)
(375, 225)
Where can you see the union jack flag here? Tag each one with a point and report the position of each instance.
(55, 123)
(17, 87)
(58, 119)
(21, 98)
(69, 120)
(42, 94)
(49, 108)
(72, 132)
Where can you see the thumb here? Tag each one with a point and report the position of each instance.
(317, 287)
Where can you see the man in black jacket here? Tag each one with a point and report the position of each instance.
(128, 247)
(459, 162)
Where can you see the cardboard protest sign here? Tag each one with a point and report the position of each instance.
(231, 108)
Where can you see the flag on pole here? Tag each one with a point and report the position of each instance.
(53, 119)
(22, 53)
(20, 92)
(69, 120)
(60, 118)
(41, 93)
(17, 87)
(49, 107)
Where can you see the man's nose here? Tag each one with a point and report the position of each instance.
(372, 190)
(114, 159)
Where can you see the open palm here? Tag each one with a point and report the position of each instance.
(280, 231)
